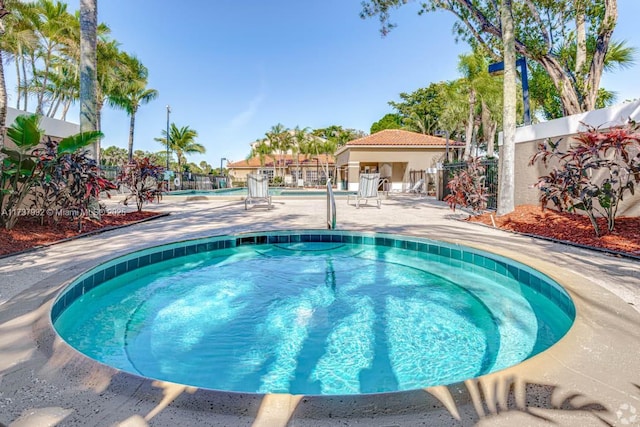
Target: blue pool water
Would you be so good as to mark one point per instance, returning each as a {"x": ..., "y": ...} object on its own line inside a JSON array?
[{"x": 324, "y": 313}]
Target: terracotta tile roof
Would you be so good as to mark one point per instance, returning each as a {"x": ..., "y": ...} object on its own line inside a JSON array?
[
  {"x": 397, "y": 137},
  {"x": 254, "y": 162}
]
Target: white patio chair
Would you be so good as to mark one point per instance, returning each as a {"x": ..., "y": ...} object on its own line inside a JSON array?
[
  {"x": 417, "y": 187},
  {"x": 367, "y": 189},
  {"x": 257, "y": 190}
]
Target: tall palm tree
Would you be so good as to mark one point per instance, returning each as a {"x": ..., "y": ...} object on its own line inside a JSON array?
[
  {"x": 108, "y": 73},
  {"x": 182, "y": 141},
  {"x": 132, "y": 95},
  {"x": 88, "y": 66},
  {"x": 17, "y": 41},
  {"x": 53, "y": 26}
]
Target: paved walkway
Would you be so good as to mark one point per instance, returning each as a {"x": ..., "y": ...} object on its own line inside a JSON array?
[{"x": 592, "y": 377}]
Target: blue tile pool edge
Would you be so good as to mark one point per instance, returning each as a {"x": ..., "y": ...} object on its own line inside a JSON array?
[{"x": 493, "y": 263}]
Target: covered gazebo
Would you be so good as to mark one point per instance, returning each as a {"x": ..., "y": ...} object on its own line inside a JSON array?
[{"x": 398, "y": 155}]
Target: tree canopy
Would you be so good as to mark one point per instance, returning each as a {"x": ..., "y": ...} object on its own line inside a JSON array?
[
  {"x": 389, "y": 121},
  {"x": 543, "y": 31}
]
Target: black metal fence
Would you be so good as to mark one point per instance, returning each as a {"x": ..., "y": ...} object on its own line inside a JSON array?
[
  {"x": 182, "y": 181},
  {"x": 490, "y": 181}
]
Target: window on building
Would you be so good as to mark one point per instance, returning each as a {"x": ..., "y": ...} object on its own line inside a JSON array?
[{"x": 267, "y": 172}]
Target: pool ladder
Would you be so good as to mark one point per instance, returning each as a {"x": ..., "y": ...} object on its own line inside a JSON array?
[{"x": 331, "y": 207}]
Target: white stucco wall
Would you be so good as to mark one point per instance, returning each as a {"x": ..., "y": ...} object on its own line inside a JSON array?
[
  {"x": 52, "y": 127},
  {"x": 528, "y": 137}
]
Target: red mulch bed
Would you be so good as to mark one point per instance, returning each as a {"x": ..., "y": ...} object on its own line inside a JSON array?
[
  {"x": 569, "y": 227},
  {"x": 28, "y": 232}
]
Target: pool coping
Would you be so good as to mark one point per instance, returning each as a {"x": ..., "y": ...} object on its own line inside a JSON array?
[
  {"x": 419, "y": 401},
  {"x": 455, "y": 255}
]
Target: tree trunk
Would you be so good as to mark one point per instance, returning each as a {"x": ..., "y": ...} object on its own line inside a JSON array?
[
  {"x": 488, "y": 128},
  {"x": 25, "y": 80},
  {"x": 564, "y": 84},
  {"x": 470, "y": 124},
  {"x": 577, "y": 95},
  {"x": 3, "y": 84},
  {"x": 88, "y": 76},
  {"x": 581, "y": 40},
  {"x": 65, "y": 110},
  {"x": 506, "y": 192},
  {"x": 45, "y": 81},
  {"x": 132, "y": 125},
  {"x": 592, "y": 83},
  {"x": 3, "y": 95},
  {"x": 18, "y": 81}
]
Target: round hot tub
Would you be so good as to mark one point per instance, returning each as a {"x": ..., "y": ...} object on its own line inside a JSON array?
[{"x": 312, "y": 312}]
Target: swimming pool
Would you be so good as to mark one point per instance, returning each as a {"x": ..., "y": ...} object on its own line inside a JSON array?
[
  {"x": 242, "y": 191},
  {"x": 312, "y": 312}
]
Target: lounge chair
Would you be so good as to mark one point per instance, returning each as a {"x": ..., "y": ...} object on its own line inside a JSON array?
[
  {"x": 257, "y": 190},
  {"x": 367, "y": 189},
  {"x": 417, "y": 187}
]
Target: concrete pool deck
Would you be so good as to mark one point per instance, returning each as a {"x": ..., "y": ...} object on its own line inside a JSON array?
[{"x": 591, "y": 377}]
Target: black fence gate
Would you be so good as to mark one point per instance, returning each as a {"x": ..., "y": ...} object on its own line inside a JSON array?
[{"x": 490, "y": 180}]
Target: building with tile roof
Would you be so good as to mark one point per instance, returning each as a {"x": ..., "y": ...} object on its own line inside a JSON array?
[
  {"x": 307, "y": 171},
  {"x": 398, "y": 155}
]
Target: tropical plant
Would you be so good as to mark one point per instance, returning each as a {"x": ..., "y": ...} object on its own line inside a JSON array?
[
  {"x": 68, "y": 179},
  {"x": 280, "y": 139},
  {"x": 468, "y": 188},
  {"x": 317, "y": 145},
  {"x": 113, "y": 156},
  {"x": 132, "y": 94},
  {"x": 593, "y": 174},
  {"x": 260, "y": 149},
  {"x": 18, "y": 167},
  {"x": 182, "y": 141},
  {"x": 3, "y": 86},
  {"x": 144, "y": 180},
  {"x": 59, "y": 175}
]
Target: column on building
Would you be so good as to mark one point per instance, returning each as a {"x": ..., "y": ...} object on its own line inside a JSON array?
[{"x": 353, "y": 172}]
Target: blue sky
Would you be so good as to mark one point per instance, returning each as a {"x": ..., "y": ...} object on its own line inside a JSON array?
[{"x": 231, "y": 69}]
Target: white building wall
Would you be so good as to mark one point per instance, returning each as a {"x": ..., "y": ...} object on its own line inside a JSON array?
[{"x": 51, "y": 127}]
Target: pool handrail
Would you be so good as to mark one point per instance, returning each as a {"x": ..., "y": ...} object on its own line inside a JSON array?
[{"x": 331, "y": 207}]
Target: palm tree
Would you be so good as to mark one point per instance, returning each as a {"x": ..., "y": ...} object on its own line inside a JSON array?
[
  {"x": 260, "y": 149},
  {"x": 53, "y": 26},
  {"x": 280, "y": 140},
  {"x": 300, "y": 137},
  {"x": 17, "y": 41},
  {"x": 3, "y": 86},
  {"x": 109, "y": 72},
  {"x": 132, "y": 95},
  {"x": 113, "y": 156},
  {"x": 317, "y": 145},
  {"x": 182, "y": 141}
]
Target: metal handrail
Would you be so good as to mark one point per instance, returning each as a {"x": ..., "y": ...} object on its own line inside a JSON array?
[{"x": 331, "y": 207}]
